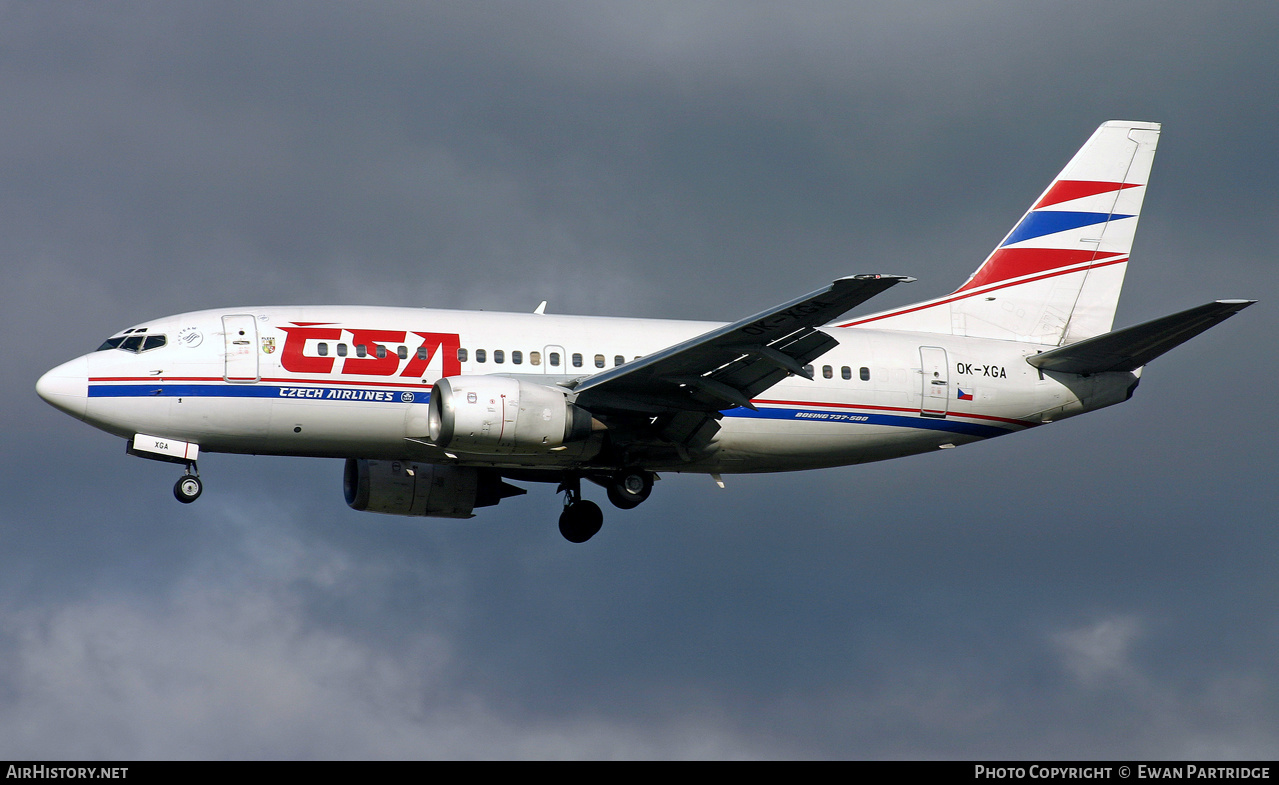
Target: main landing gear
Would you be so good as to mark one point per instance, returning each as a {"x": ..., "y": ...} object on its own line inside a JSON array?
[
  {"x": 582, "y": 519},
  {"x": 629, "y": 488},
  {"x": 188, "y": 487}
]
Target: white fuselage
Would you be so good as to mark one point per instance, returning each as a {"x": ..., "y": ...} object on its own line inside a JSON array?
[{"x": 351, "y": 382}]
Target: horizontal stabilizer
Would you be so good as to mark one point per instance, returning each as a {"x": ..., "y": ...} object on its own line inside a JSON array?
[{"x": 1132, "y": 347}]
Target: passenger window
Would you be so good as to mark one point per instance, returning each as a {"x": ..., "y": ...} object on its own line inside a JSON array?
[
  {"x": 555, "y": 359},
  {"x": 461, "y": 355},
  {"x": 599, "y": 361},
  {"x": 534, "y": 358},
  {"x": 380, "y": 352},
  {"x": 827, "y": 372},
  {"x": 480, "y": 355},
  {"x": 577, "y": 360},
  {"x": 361, "y": 350},
  {"x": 499, "y": 356},
  {"x": 846, "y": 372},
  {"x": 341, "y": 350},
  {"x": 421, "y": 353},
  {"x": 517, "y": 358},
  {"x": 403, "y": 352},
  {"x": 865, "y": 374},
  {"x": 808, "y": 369},
  {"x": 322, "y": 349},
  {"x": 618, "y": 360}
]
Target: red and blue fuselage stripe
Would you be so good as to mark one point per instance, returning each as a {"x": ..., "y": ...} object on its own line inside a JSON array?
[{"x": 808, "y": 411}]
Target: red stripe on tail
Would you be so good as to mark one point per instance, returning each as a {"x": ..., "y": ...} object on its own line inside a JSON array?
[
  {"x": 1067, "y": 190},
  {"x": 1007, "y": 263}
]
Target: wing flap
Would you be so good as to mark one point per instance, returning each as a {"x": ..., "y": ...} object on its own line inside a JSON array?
[
  {"x": 1132, "y": 347},
  {"x": 758, "y": 368}
]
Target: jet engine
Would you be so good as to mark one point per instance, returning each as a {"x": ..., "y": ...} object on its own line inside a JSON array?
[
  {"x": 497, "y": 415},
  {"x": 406, "y": 488}
]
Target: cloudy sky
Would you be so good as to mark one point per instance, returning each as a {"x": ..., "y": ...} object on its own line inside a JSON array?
[{"x": 1103, "y": 588}]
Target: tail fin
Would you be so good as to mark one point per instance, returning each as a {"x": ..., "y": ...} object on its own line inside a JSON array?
[{"x": 1055, "y": 278}]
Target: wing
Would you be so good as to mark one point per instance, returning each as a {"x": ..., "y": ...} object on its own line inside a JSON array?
[{"x": 689, "y": 383}]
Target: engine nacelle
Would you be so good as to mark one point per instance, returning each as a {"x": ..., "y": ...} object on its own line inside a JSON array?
[
  {"x": 405, "y": 488},
  {"x": 496, "y": 415}
]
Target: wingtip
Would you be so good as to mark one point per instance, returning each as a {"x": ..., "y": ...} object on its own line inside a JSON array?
[
  {"x": 877, "y": 276},
  {"x": 1146, "y": 125}
]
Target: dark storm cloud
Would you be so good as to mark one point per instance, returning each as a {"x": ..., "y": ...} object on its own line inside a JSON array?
[{"x": 1101, "y": 588}]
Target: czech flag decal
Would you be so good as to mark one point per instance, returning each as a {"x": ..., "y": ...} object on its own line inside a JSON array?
[{"x": 964, "y": 396}]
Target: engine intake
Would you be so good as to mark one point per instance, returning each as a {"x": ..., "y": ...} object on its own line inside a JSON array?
[
  {"x": 497, "y": 415},
  {"x": 406, "y": 488}
]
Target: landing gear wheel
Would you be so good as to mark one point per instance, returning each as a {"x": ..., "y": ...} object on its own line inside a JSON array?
[
  {"x": 581, "y": 521},
  {"x": 188, "y": 488},
  {"x": 629, "y": 488}
]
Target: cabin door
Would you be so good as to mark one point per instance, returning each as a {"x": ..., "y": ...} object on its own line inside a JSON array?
[
  {"x": 935, "y": 377},
  {"x": 241, "y": 332}
]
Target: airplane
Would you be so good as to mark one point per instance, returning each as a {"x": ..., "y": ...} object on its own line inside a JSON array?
[{"x": 434, "y": 411}]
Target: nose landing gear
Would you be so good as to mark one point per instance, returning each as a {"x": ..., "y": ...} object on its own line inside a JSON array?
[{"x": 188, "y": 487}]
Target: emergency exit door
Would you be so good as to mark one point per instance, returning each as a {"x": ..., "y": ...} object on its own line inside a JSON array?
[{"x": 554, "y": 360}]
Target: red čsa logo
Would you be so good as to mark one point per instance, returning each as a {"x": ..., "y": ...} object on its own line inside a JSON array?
[{"x": 444, "y": 345}]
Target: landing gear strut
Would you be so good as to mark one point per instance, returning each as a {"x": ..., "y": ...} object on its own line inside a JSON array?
[
  {"x": 581, "y": 519},
  {"x": 188, "y": 487}
]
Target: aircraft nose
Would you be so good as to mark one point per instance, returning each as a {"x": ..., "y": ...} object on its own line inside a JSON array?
[{"x": 67, "y": 387}]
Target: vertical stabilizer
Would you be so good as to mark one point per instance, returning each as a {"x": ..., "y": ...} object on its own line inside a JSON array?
[{"x": 1055, "y": 278}]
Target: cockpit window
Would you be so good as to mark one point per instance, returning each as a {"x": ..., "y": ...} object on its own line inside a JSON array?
[{"x": 135, "y": 340}]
